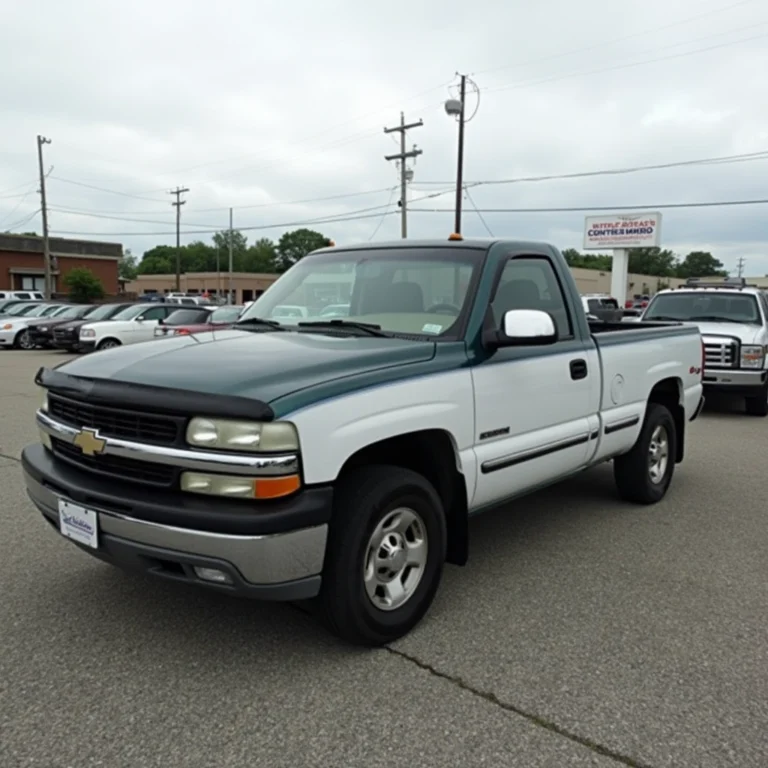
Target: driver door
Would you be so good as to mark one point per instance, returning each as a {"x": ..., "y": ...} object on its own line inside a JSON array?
[
  {"x": 535, "y": 406},
  {"x": 144, "y": 326}
]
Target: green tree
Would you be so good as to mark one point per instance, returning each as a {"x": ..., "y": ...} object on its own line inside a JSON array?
[
  {"x": 653, "y": 261},
  {"x": 701, "y": 264},
  {"x": 221, "y": 241},
  {"x": 260, "y": 257},
  {"x": 127, "y": 267},
  {"x": 159, "y": 260},
  {"x": 295, "y": 245},
  {"x": 599, "y": 261},
  {"x": 84, "y": 286}
]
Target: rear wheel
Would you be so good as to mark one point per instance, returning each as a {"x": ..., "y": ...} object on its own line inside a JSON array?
[
  {"x": 643, "y": 475},
  {"x": 758, "y": 405},
  {"x": 385, "y": 556}
]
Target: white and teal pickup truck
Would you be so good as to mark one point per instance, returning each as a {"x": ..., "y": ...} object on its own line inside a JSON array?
[{"x": 341, "y": 459}]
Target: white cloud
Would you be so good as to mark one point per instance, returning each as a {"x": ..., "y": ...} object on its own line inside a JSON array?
[{"x": 250, "y": 104}]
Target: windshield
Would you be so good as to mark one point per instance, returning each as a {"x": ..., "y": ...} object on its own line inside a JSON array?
[
  {"x": 187, "y": 316},
  {"x": 19, "y": 310},
  {"x": 129, "y": 313},
  {"x": 225, "y": 315},
  {"x": 101, "y": 312},
  {"x": 70, "y": 312},
  {"x": 690, "y": 306},
  {"x": 411, "y": 291},
  {"x": 56, "y": 311}
]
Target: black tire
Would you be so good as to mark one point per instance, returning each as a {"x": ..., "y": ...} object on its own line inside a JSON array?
[
  {"x": 108, "y": 344},
  {"x": 364, "y": 498},
  {"x": 22, "y": 341},
  {"x": 632, "y": 470},
  {"x": 758, "y": 406}
]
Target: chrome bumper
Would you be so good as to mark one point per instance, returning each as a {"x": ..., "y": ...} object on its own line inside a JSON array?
[
  {"x": 733, "y": 378},
  {"x": 278, "y": 566}
]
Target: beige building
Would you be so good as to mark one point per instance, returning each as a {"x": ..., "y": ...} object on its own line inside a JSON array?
[{"x": 248, "y": 286}]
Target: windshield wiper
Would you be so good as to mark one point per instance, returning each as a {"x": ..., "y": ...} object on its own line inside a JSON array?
[
  {"x": 369, "y": 328},
  {"x": 718, "y": 319},
  {"x": 273, "y": 324}
]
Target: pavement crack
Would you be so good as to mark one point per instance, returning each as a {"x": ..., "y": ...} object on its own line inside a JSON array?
[
  {"x": 532, "y": 717},
  {"x": 10, "y": 458}
]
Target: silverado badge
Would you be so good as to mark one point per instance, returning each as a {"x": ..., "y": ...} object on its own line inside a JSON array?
[{"x": 89, "y": 442}]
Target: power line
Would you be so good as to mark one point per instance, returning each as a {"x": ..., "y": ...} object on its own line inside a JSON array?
[
  {"x": 4, "y": 196},
  {"x": 361, "y": 216},
  {"x": 105, "y": 189},
  {"x": 720, "y": 160},
  {"x": 285, "y": 203},
  {"x": 477, "y": 211},
  {"x": 614, "y": 40},
  {"x": 384, "y": 215},
  {"x": 617, "y": 67},
  {"x": 21, "y": 222},
  {"x": 401, "y": 158},
  {"x": 609, "y": 208},
  {"x": 283, "y": 225}
]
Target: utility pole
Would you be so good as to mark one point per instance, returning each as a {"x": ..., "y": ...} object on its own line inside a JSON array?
[
  {"x": 44, "y": 210},
  {"x": 460, "y": 168},
  {"x": 229, "y": 297},
  {"x": 740, "y": 265},
  {"x": 218, "y": 274},
  {"x": 402, "y": 156},
  {"x": 179, "y": 202}
]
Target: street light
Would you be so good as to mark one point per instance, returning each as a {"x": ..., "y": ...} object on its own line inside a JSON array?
[{"x": 457, "y": 108}]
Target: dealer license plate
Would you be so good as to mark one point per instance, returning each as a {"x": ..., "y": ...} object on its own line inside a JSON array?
[{"x": 79, "y": 524}]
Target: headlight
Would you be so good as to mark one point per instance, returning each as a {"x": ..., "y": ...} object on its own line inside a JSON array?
[
  {"x": 752, "y": 356},
  {"x": 240, "y": 487},
  {"x": 87, "y": 333},
  {"x": 242, "y": 435},
  {"x": 44, "y": 329}
]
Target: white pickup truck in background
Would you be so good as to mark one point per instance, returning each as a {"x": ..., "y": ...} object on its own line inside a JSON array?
[
  {"x": 733, "y": 320},
  {"x": 342, "y": 458}
]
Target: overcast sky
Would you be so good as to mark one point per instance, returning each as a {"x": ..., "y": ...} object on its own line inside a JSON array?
[{"x": 264, "y": 103}]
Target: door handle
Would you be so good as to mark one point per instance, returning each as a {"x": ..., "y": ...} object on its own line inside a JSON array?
[{"x": 578, "y": 369}]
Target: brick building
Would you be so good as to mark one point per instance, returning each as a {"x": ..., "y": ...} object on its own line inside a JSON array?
[{"x": 22, "y": 267}]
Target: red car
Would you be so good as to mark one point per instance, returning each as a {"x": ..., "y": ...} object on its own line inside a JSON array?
[{"x": 198, "y": 320}]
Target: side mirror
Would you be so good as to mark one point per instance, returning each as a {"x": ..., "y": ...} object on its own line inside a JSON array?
[{"x": 522, "y": 328}]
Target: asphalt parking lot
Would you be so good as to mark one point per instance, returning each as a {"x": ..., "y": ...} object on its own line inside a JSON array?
[{"x": 583, "y": 632}]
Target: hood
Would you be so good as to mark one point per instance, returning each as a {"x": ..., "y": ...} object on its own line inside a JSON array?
[
  {"x": 744, "y": 332},
  {"x": 259, "y": 365},
  {"x": 52, "y": 323},
  {"x": 71, "y": 323}
]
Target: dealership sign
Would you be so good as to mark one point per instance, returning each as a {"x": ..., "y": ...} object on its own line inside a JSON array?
[{"x": 634, "y": 230}]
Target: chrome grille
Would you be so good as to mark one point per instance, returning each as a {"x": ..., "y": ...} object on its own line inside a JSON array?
[{"x": 719, "y": 355}]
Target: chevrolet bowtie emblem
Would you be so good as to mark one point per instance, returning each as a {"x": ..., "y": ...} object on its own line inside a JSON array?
[{"x": 89, "y": 442}]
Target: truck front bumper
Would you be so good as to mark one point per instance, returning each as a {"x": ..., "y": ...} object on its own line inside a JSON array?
[
  {"x": 734, "y": 381},
  {"x": 279, "y": 565}
]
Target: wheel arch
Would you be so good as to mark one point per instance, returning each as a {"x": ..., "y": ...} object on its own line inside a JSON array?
[
  {"x": 669, "y": 393},
  {"x": 434, "y": 455}
]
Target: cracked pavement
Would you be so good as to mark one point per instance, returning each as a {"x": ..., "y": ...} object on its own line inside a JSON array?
[{"x": 583, "y": 632}]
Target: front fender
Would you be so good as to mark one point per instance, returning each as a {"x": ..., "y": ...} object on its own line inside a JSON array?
[{"x": 333, "y": 430}]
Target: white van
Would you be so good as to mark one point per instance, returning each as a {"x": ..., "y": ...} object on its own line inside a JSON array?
[{"x": 22, "y": 295}]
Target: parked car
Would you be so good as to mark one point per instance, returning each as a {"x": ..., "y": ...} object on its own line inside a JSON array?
[
  {"x": 183, "y": 322},
  {"x": 15, "y": 308},
  {"x": 602, "y": 307},
  {"x": 342, "y": 458},
  {"x": 733, "y": 320},
  {"x": 129, "y": 326},
  {"x": 67, "y": 335},
  {"x": 13, "y": 327},
  {"x": 40, "y": 332},
  {"x": 22, "y": 295},
  {"x": 335, "y": 310},
  {"x": 8, "y": 303}
]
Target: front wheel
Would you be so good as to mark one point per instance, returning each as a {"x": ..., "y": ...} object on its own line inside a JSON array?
[
  {"x": 643, "y": 475},
  {"x": 24, "y": 341},
  {"x": 386, "y": 549},
  {"x": 758, "y": 405},
  {"x": 108, "y": 344}
]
